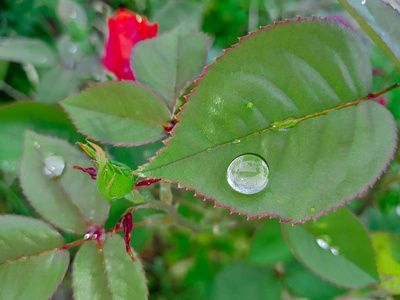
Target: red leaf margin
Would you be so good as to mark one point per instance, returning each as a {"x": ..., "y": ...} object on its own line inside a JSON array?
[{"x": 271, "y": 216}]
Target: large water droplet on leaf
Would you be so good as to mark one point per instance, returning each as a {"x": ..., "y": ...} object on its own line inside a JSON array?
[
  {"x": 322, "y": 244},
  {"x": 53, "y": 166},
  {"x": 248, "y": 174}
]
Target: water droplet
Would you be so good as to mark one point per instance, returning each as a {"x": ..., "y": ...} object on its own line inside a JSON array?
[
  {"x": 237, "y": 141},
  {"x": 42, "y": 59},
  {"x": 209, "y": 149},
  {"x": 322, "y": 244},
  {"x": 87, "y": 235},
  {"x": 36, "y": 145},
  {"x": 73, "y": 14},
  {"x": 398, "y": 210},
  {"x": 139, "y": 19},
  {"x": 312, "y": 209},
  {"x": 250, "y": 104},
  {"x": 248, "y": 174},
  {"x": 72, "y": 48},
  {"x": 334, "y": 251},
  {"x": 53, "y": 166},
  {"x": 363, "y": 2}
]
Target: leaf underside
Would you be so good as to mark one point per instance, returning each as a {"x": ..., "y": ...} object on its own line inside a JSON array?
[
  {"x": 380, "y": 21},
  {"x": 297, "y": 69},
  {"x": 120, "y": 113}
]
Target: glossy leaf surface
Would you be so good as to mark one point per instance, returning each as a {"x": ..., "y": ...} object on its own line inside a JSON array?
[
  {"x": 68, "y": 201},
  {"x": 119, "y": 113},
  {"x": 335, "y": 247},
  {"x": 16, "y": 118},
  {"x": 37, "y": 276},
  {"x": 168, "y": 62},
  {"x": 380, "y": 21},
  {"x": 246, "y": 281},
  {"x": 283, "y": 94},
  {"x": 108, "y": 272}
]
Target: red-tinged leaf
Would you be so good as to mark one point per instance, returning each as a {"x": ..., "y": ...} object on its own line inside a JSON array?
[{"x": 296, "y": 96}]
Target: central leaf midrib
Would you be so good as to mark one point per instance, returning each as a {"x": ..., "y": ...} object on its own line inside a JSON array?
[{"x": 270, "y": 127}]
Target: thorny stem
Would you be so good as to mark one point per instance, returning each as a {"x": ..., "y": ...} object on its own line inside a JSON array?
[{"x": 81, "y": 241}]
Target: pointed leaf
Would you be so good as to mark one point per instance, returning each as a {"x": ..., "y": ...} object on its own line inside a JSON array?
[
  {"x": 37, "y": 276},
  {"x": 380, "y": 21},
  {"x": 246, "y": 281},
  {"x": 119, "y": 113},
  {"x": 303, "y": 74},
  {"x": 108, "y": 272},
  {"x": 168, "y": 62},
  {"x": 16, "y": 118},
  {"x": 335, "y": 247},
  {"x": 25, "y": 50},
  {"x": 68, "y": 201}
]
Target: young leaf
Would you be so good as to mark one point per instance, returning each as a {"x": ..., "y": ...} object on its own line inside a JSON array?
[
  {"x": 16, "y": 118},
  {"x": 380, "y": 21},
  {"x": 25, "y": 50},
  {"x": 36, "y": 276},
  {"x": 66, "y": 197},
  {"x": 386, "y": 247},
  {"x": 335, "y": 247},
  {"x": 246, "y": 281},
  {"x": 108, "y": 273},
  {"x": 268, "y": 245},
  {"x": 168, "y": 62},
  {"x": 307, "y": 74},
  {"x": 119, "y": 113}
]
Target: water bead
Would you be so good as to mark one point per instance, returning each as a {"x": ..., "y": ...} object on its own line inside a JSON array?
[
  {"x": 53, "y": 166},
  {"x": 248, "y": 174}
]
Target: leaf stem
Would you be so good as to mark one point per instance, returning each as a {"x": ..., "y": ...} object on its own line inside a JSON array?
[{"x": 376, "y": 95}]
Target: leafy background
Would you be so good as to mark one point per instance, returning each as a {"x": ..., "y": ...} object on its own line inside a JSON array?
[{"x": 209, "y": 254}]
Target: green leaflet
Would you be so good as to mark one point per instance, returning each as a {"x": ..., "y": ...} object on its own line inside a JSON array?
[
  {"x": 307, "y": 70},
  {"x": 380, "y": 21}
]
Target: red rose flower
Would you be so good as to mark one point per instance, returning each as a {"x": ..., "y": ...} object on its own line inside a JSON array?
[{"x": 125, "y": 30}]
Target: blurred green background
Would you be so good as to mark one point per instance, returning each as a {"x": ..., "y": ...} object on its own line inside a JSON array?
[{"x": 52, "y": 49}]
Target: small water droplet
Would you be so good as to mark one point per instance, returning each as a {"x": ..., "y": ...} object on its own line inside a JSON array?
[
  {"x": 237, "y": 141},
  {"x": 139, "y": 19},
  {"x": 73, "y": 14},
  {"x": 312, "y": 209},
  {"x": 250, "y": 104},
  {"x": 87, "y": 235},
  {"x": 248, "y": 174},
  {"x": 363, "y": 2},
  {"x": 53, "y": 166},
  {"x": 398, "y": 210},
  {"x": 72, "y": 48},
  {"x": 209, "y": 149},
  {"x": 94, "y": 236},
  {"x": 36, "y": 145},
  {"x": 322, "y": 244},
  {"x": 43, "y": 59},
  {"x": 334, "y": 251}
]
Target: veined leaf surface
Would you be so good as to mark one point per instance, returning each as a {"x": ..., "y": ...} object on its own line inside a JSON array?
[{"x": 312, "y": 73}]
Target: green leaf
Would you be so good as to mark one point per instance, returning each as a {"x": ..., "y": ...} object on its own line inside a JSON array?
[
  {"x": 38, "y": 275},
  {"x": 311, "y": 70},
  {"x": 386, "y": 247},
  {"x": 25, "y": 50},
  {"x": 240, "y": 281},
  {"x": 16, "y": 118},
  {"x": 174, "y": 13},
  {"x": 380, "y": 21},
  {"x": 68, "y": 201},
  {"x": 108, "y": 272},
  {"x": 268, "y": 245},
  {"x": 335, "y": 247},
  {"x": 167, "y": 63},
  {"x": 305, "y": 284},
  {"x": 120, "y": 113}
]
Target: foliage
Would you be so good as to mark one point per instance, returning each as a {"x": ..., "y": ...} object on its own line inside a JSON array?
[{"x": 296, "y": 121}]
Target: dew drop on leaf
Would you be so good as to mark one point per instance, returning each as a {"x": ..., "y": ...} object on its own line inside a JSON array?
[
  {"x": 36, "y": 145},
  {"x": 322, "y": 244},
  {"x": 363, "y": 2},
  {"x": 53, "y": 166},
  {"x": 250, "y": 104},
  {"x": 398, "y": 210},
  {"x": 334, "y": 251},
  {"x": 312, "y": 209},
  {"x": 248, "y": 174}
]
